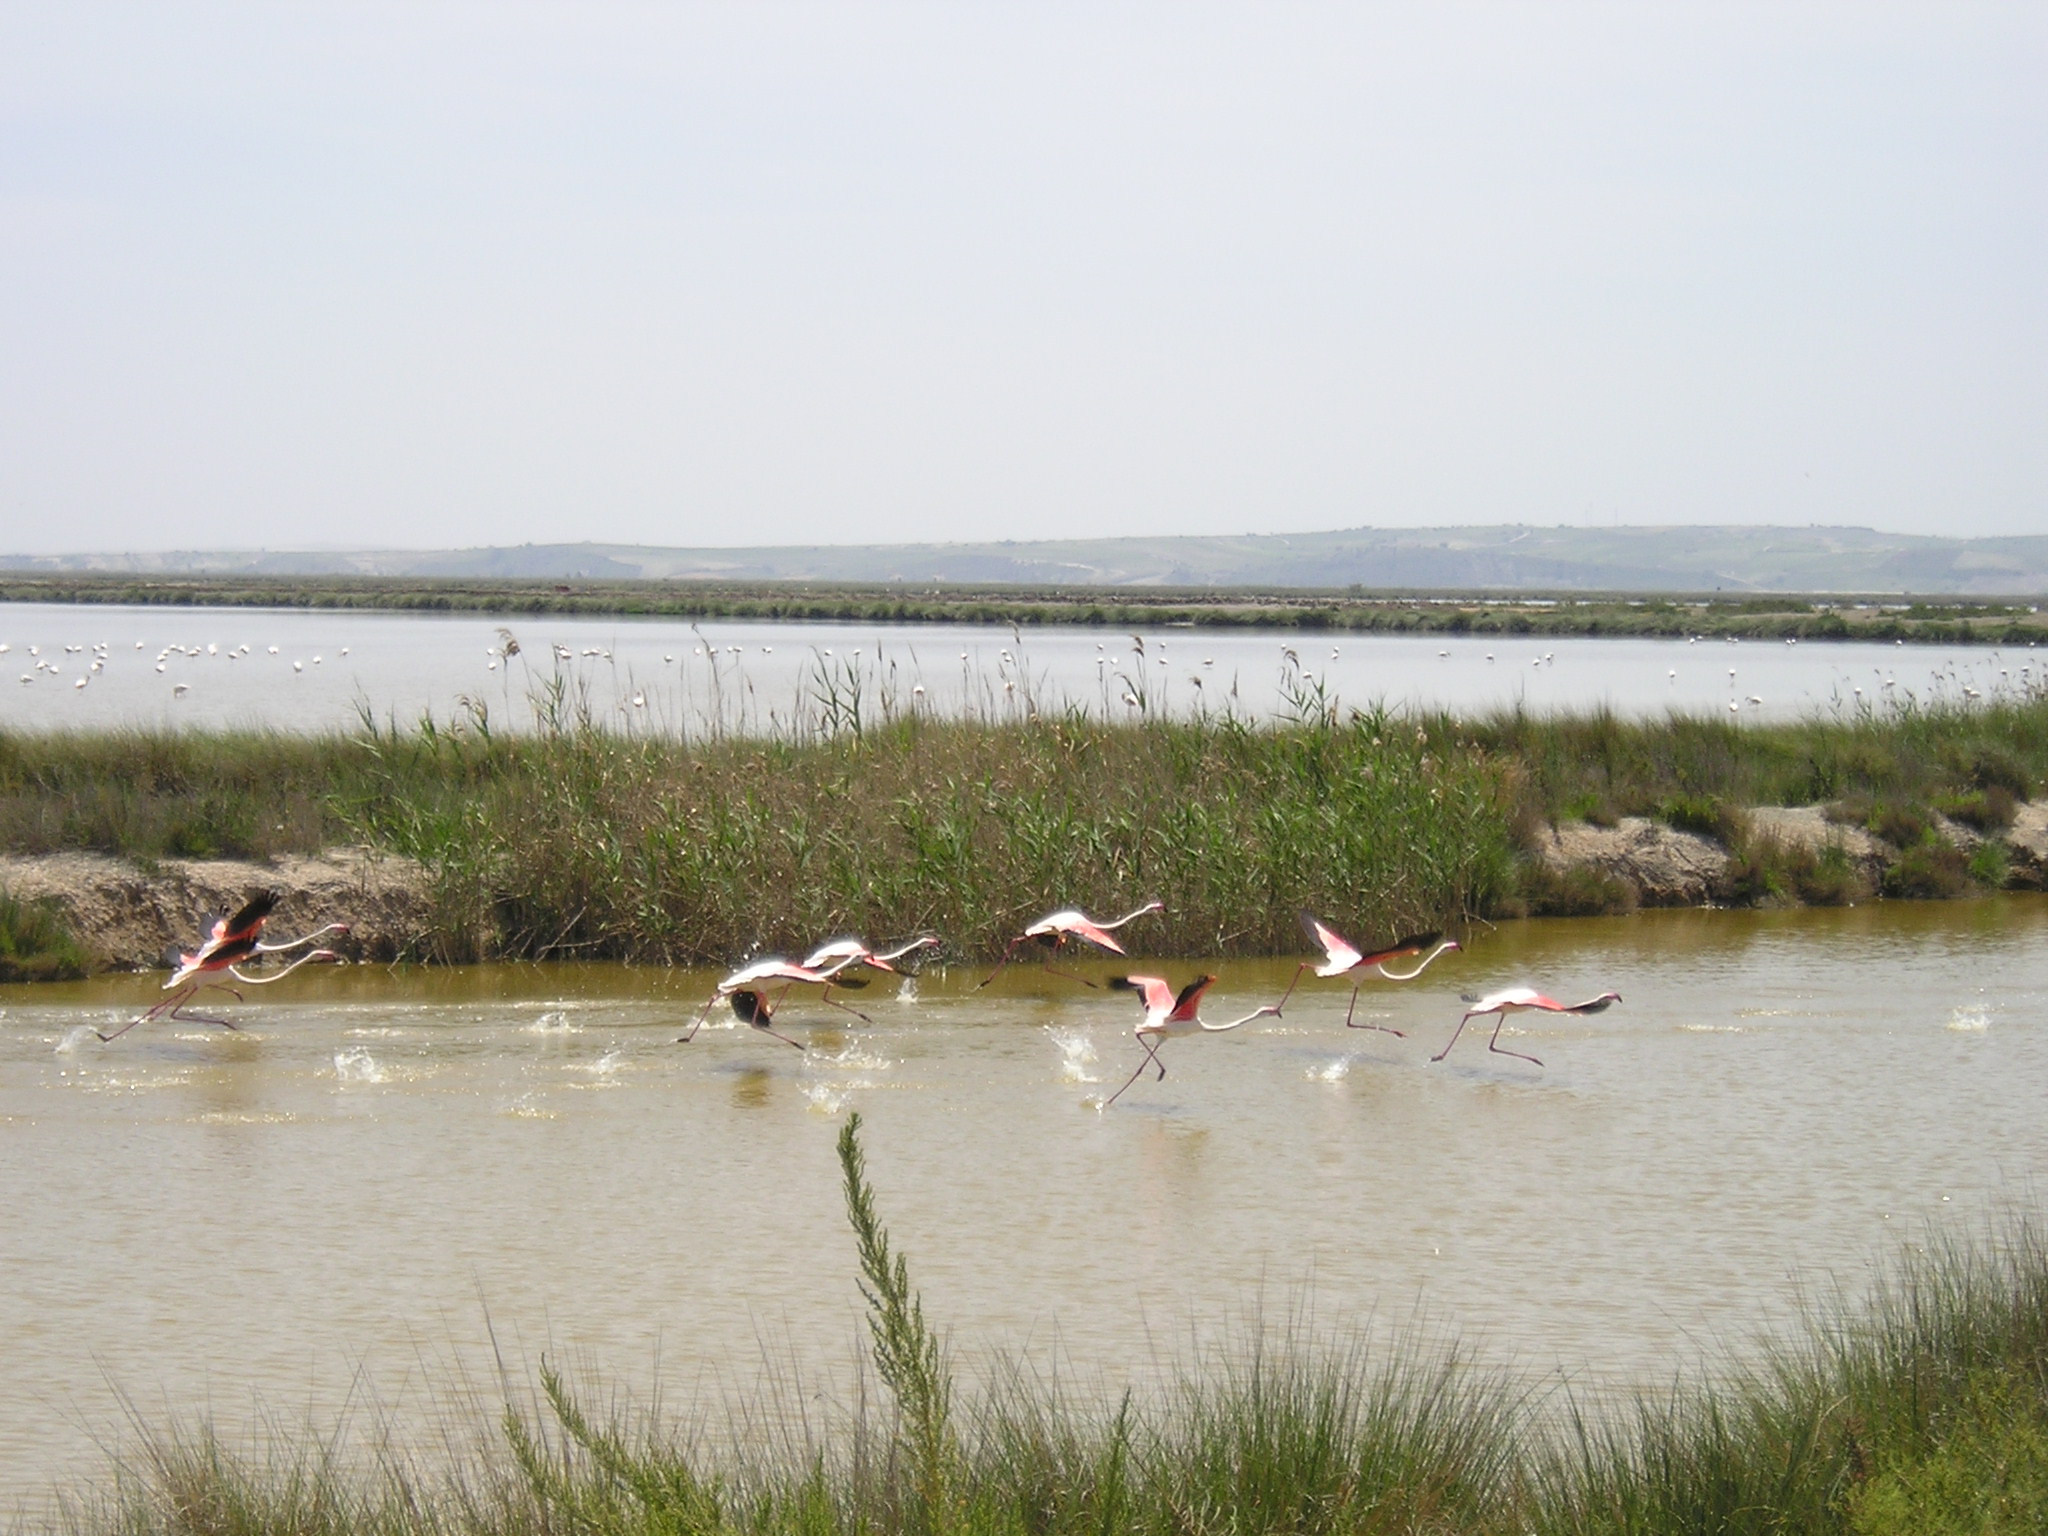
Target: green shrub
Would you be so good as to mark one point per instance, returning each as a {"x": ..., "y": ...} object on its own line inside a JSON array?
[
  {"x": 1990, "y": 863},
  {"x": 35, "y": 944},
  {"x": 1929, "y": 871},
  {"x": 1987, "y": 810}
]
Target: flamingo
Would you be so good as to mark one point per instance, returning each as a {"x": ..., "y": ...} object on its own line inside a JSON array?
[
  {"x": 1168, "y": 1015},
  {"x": 1342, "y": 956},
  {"x": 1056, "y": 928},
  {"x": 1518, "y": 1000},
  {"x": 841, "y": 954},
  {"x": 773, "y": 970},
  {"x": 228, "y": 942}
]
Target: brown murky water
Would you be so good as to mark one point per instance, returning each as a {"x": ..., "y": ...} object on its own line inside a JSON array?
[{"x": 327, "y": 1209}]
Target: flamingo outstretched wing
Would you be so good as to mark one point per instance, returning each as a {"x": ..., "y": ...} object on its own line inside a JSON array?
[{"x": 1186, "y": 1005}]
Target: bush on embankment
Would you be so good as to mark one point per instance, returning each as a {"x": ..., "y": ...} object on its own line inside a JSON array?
[
  {"x": 1924, "y": 1412},
  {"x": 582, "y": 840},
  {"x": 598, "y": 843}
]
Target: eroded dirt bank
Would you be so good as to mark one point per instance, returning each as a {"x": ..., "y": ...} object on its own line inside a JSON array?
[{"x": 127, "y": 917}]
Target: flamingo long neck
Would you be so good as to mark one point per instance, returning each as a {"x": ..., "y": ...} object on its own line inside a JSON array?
[
  {"x": 271, "y": 949},
  {"x": 1256, "y": 1013},
  {"x": 1150, "y": 906},
  {"x": 264, "y": 981},
  {"x": 1420, "y": 968}
]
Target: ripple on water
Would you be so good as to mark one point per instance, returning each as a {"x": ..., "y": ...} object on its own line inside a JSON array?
[{"x": 1077, "y": 1054}]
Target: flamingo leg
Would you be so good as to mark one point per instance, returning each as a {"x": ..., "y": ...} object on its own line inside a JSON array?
[
  {"x": 144, "y": 1018},
  {"x": 1009, "y": 950},
  {"x": 1384, "y": 1028},
  {"x": 1053, "y": 970},
  {"x": 702, "y": 1014},
  {"x": 1151, "y": 1055},
  {"x": 780, "y": 1036},
  {"x": 1440, "y": 1055},
  {"x": 1305, "y": 965},
  {"x": 827, "y": 997},
  {"x": 178, "y": 1011},
  {"x": 1494, "y": 1043}
]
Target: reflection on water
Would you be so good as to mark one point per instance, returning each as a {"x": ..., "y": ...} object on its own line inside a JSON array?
[{"x": 211, "y": 1220}]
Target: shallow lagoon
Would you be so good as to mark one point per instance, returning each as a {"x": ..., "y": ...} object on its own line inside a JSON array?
[
  {"x": 327, "y": 1208},
  {"x": 215, "y": 667}
]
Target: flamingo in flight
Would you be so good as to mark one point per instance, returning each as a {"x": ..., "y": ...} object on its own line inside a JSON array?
[
  {"x": 748, "y": 979},
  {"x": 1341, "y": 956},
  {"x": 1056, "y": 929},
  {"x": 1169, "y": 1015},
  {"x": 1518, "y": 1000},
  {"x": 842, "y": 954},
  {"x": 228, "y": 943}
]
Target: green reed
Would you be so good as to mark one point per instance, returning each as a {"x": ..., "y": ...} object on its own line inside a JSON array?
[
  {"x": 862, "y": 810},
  {"x": 1923, "y": 1410}
]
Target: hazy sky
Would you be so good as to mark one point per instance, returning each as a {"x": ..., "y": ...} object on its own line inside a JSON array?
[{"x": 712, "y": 274}]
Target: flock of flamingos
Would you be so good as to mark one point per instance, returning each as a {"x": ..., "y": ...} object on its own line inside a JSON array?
[{"x": 755, "y": 991}]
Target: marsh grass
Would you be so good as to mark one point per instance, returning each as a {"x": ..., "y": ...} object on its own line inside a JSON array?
[
  {"x": 1923, "y": 1409},
  {"x": 35, "y": 945},
  {"x": 862, "y": 811}
]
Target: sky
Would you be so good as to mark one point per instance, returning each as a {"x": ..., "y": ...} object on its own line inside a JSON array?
[{"x": 424, "y": 275}]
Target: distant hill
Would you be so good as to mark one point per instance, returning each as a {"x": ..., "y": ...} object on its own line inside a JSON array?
[{"x": 1512, "y": 558}]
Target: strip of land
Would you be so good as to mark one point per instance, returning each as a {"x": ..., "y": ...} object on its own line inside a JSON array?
[
  {"x": 1810, "y": 617},
  {"x": 580, "y": 842},
  {"x": 1504, "y": 558}
]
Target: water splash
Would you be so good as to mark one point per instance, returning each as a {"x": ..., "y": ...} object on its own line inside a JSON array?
[
  {"x": 554, "y": 1022},
  {"x": 1331, "y": 1071},
  {"x": 907, "y": 993},
  {"x": 1970, "y": 1019},
  {"x": 1077, "y": 1054},
  {"x": 604, "y": 1066},
  {"x": 824, "y": 1098},
  {"x": 74, "y": 1039},
  {"x": 357, "y": 1065}
]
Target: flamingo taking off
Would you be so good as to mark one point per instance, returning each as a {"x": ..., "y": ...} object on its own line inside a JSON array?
[
  {"x": 748, "y": 978},
  {"x": 1168, "y": 1016},
  {"x": 841, "y": 954},
  {"x": 229, "y": 941},
  {"x": 1518, "y": 1000},
  {"x": 1055, "y": 929},
  {"x": 1341, "y": 956}
]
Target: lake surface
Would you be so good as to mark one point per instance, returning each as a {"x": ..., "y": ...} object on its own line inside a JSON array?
[
  {"x": 341, "y": 1209},
  {"x": 309, "y": 670}
]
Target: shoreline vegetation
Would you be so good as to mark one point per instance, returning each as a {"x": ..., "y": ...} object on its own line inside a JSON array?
[
  {"x": 1746, "y": 615},
  {"x": 580, "y": 840},
  {"x": 1919, "y": 1412}
]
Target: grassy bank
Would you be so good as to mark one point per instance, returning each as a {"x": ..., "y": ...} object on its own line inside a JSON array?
[
  {"x": 586, "y": 841},
  {"x": 1924, "y": 1411},
  {"x": 1950, "y": 621}
]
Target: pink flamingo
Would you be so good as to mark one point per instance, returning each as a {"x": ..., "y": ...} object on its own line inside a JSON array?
[
  {"x": 1168, "y": 1016},
  {"x": 1519, "y": 1000},
  {"x": 773, "y": 970},
  {"x": 1055, "y": 929},
  {"x": 228, "y": 942},
  {"x": 1341, "y": 956},
  {"x": 842, "y": 954}
]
